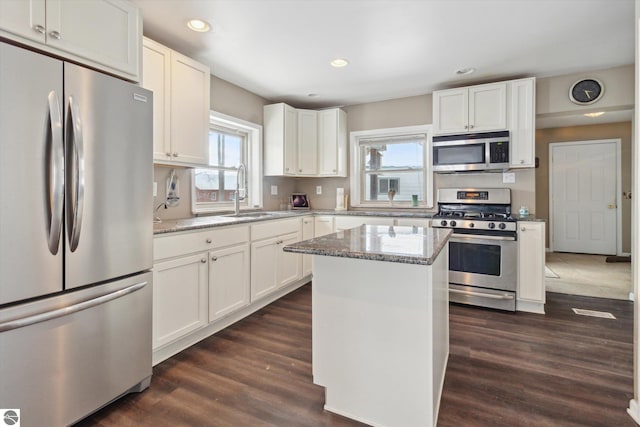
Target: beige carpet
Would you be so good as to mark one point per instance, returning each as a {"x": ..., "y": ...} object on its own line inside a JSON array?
[{"x": 587, "y": 275}]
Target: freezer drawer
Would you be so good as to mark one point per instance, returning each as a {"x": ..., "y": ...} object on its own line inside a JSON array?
[{"x": 59, "y": 365}]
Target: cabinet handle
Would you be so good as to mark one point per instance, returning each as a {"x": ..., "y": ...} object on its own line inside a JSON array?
[
  {"x": 287, "y": 169},
  {"x": 521, "y": 161},
  {"x": 279, "y": 242},
  {"x": 466, "y": 126},
  {"x": 208, "y": 240},
  {"x": 203, "y": 260},
  {"x": 334, "y": 171},
  {"x": 55, "y": 34},
  {"x": 214, "y": 258},
  {"x": 175, "y": 154},
  {"x": 168, "y": 154},
  {"x": 471, "y": 126},
  {"x": 299, "y": 170},
  {"x": 39, "y": 29},
  {"x": 523, "y": 229}
]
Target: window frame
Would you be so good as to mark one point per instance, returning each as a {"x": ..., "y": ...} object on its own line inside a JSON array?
[
  {"x": 356, "y": 172},
  {"x": 253, "y": 155}
]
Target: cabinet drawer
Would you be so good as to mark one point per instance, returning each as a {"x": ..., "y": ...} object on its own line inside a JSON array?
[
  {"x": 272, "y": 228},
  {"x": 170, "y": 245}
]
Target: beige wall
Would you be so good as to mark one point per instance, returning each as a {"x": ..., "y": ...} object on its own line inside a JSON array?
[
  {"x": 552, "y": 93},
  {"x": 584, "y": 133}
]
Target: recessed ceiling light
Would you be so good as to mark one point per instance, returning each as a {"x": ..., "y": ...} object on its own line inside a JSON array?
[
  {"x": 465, "y": 71},
  {"x": 597, "y": 114},
  {"x": 339, "y": 63},
  {"x": 198, "y": 25}
]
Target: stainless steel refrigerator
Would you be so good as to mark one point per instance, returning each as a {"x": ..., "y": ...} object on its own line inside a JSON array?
[{"x": 75, "y": 237}]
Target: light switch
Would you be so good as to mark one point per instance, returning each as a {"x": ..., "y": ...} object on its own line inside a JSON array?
[
  {"x": 318, "y": 189},
  {"x": 508, "y": 178},
  {"x": 155, "y": 189},
  {"x": 274, "y": 190}
]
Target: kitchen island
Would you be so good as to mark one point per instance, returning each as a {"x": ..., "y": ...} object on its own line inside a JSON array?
[{"x": 380, "y": 322}]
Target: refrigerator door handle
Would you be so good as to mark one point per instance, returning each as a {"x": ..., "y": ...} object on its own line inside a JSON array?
[
  {"x": 68, "y": 310},
  {"x": 75, "y": 173},
  {"x": 55, "y": 171}
]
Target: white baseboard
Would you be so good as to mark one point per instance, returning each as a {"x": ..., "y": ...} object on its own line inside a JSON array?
[{"x": 634, "y": 411}]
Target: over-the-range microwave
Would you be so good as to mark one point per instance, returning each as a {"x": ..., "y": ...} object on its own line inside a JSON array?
[{"x": 471, "y": 152}]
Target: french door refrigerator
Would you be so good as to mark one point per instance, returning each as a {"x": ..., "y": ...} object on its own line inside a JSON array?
[{"x": 75, "y": 238}]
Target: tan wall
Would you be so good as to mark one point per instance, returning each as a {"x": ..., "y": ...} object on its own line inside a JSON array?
[
  {"x": 584, "y": 133},
  {"x": 552, "y": 93}
]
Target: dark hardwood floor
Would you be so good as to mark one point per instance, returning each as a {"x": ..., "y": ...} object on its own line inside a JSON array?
[{"x": 504, "y": 369}]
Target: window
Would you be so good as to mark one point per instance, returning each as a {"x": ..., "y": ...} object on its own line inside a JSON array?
[
  {"x": 231, "y": 142},
  {"x": 389, "y": 166}
]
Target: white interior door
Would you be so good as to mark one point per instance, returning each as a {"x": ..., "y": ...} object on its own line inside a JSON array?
[{"x": 583, "y": 179}]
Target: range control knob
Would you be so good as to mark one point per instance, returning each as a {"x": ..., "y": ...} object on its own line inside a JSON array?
[
  {"x": 491, "y": 225},
  {"x": 452, "y": 223},
  {"x": 471, "y": 225},
  {"x": 443, "y": 223},
  {"x": 502, "y": 226}
]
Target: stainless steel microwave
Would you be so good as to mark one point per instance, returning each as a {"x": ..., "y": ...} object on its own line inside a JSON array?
[{"x": 471, "y": 152}]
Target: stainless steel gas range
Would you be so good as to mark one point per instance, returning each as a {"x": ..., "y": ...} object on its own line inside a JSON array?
[{"x": 483, "y": 248}]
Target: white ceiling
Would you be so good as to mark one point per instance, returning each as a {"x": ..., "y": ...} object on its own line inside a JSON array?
[{"x": 280, "y": 49}]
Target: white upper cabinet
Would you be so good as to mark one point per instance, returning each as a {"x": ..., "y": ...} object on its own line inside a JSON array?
[
  {"x": 471, "y": 109},
  {"x": 104, "y": 34},
  {"x": 180, "y": 88},
  {"x": 332, "y": 142},
  {"x": 522, "y": 122},
  {"x": 304, "y": 142},
  {"x": 307, "y": 142}
]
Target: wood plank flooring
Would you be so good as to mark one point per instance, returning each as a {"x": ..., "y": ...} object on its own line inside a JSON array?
[{"x": 504, "y": 369}]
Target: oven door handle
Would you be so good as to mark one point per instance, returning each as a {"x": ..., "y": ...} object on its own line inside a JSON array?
[
  {"x": 481, "y": 236},
  {"x": 482, "y": 294}
]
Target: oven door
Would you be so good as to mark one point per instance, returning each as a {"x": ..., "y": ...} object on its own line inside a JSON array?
[{"x": 483, "y": 261}]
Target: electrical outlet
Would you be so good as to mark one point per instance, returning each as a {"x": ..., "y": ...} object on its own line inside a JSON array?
[
  {"x": 155, "y": 189},
  {"x": 318, "y": 189},
  {"x": 274, "y": 190}
]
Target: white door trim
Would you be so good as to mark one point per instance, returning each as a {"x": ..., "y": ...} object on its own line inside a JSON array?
[{"x": 617, "y": 142}]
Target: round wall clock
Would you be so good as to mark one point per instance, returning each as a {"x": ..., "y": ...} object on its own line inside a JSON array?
[{"x": 586, "y": 91}]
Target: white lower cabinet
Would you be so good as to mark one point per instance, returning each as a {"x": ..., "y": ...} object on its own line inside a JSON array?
[
  {"x": 179, "y": 297},
  {"x": 229, "y": 282},
  {"x": 531, "y": 256},
  {"x": 271, "y": 267},
  {"x": 308, "y": 229},
  {"x": 345, "y": 222}
]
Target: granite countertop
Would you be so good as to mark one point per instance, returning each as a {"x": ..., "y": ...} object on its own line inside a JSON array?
[
  {"x": 409, "y": 245},
  {"x": 531, "y": 218},
  {"x": 202, "y": 222}
]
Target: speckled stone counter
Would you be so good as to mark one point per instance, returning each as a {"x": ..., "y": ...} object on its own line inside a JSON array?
[
  {"x": 409, "y": 245},
  {"x": 209, "y": 221}
]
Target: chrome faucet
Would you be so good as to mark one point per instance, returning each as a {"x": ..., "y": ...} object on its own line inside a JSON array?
[{"x": 237, "y": 198}]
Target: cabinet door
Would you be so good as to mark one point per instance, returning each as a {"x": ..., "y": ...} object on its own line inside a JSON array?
[
  {"x": 523, "y": 123},
  {"x": 264, "y": 267},
  {"x": 531, "y": 261},
  {"x": 179, "y": 298},
  {"x": 24, "y": 18},
  {"x": 289, "y": 264},
  {"x": 488, "y": 107},
  {"x": 323, "y": 225},
  {"x": 290, "y": 143},
  {"x": 450, "y": 111},
  {"x": 190, "y": 83},
  {"x": 307, "y": 142},
  {"x": 307, "y": 233},
  {"x": 108, "y": 32},
  {"x": 156, "y": 67},
  {"x": 229, "y": 281},
  {"x": 332, "y": 142}
]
